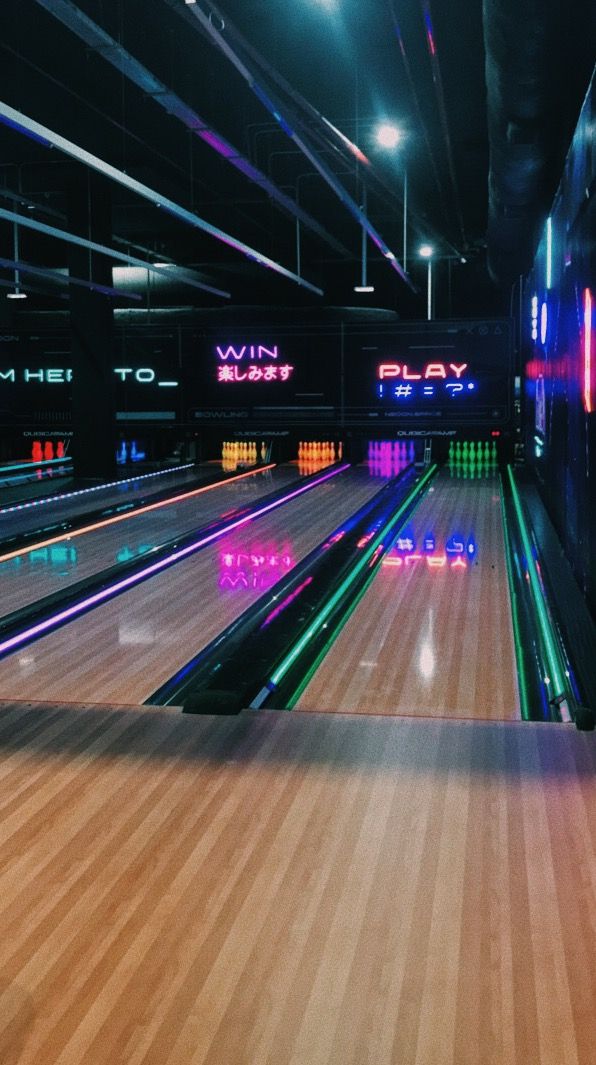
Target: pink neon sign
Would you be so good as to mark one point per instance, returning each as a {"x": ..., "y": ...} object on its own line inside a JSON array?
[
  {"x": 230, "y": 374},
  {"x": 252, "y": 352},
  {"x": 250, "y": 363},
  {"x": 442, "y": 370}
]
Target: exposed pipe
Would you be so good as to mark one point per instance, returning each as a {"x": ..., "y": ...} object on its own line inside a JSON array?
[
  {"x": 276, "y": 109},
  {"x": 49, "y": 138},
  {"x": 112, "y": 52}
]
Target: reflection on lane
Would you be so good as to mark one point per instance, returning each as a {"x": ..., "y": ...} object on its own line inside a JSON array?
[
  {"x": 412, "y": 548},
  {"x": 253, "y": 564}
]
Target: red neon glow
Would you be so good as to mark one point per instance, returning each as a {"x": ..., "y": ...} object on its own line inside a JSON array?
[
  {"x": 432, "y": 369},
  {"x": 588, "y": 401},
  {"x": 229, "y": 374}
]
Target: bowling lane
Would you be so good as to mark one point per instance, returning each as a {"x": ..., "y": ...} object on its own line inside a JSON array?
[
  {"x": 432, "y": 635},
  {"x": 123, "y": 651},
  {"x": 30, "y": 576},
  {"x": 80, "y": 497}
]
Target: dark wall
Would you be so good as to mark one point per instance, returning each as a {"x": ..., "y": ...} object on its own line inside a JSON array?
[{"x": 560, "y": 408}]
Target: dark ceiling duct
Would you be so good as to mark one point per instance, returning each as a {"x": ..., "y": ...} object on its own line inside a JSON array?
[{"x": 522, "y": 77}]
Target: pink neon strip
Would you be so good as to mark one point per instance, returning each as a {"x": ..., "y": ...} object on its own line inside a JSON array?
[
  {"x": 588, "y": 405},
  {"x": 156, "y": 567}
]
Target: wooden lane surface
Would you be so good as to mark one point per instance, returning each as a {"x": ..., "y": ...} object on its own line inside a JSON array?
[
  {"x": 123, "y": 651},
  {"x": 25, "y": 520},
  {"x": 293, "y": 889},
  {"x": 29, "y": 577},
  {"x": 432, "y": 641}
]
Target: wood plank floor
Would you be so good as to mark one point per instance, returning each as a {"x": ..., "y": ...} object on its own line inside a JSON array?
[
  {"x": 123, "y": 651},
  {"x": 30, "y": 576},
  {"x": 294, "y": 889},
  {"x": 431, "y": 639}
]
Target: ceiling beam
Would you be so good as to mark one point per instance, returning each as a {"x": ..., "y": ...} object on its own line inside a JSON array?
[
  {"x": 66, "y": 279},
  {"x": 49, "y": 138},
  {"x": 207, "y": 23},
  {"x": 91, "y": 245}
]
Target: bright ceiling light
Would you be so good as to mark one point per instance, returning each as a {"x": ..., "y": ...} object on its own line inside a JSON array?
[
  {"x": 16, "y": 295},
  {"x": 387, "y": 135},
  {"x": 364, "y": 288},
  {"x": 426, "y": 251}
]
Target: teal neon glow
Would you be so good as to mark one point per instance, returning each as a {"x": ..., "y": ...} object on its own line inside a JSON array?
[
  {"x": 31, "y": 465},
  {"x": 324, "y": 613},
  {"x": 557, "y": 673},
  {"x": 521, "y": 673},
  {"x": 549, "y": 252}
]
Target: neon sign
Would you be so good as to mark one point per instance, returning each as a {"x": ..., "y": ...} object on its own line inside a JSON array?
[
  {"x": 432, "y": 369},
  {"x": 227, "y": 374},
  {"x": 58, "y": 375},
  {"x": 53, "y": 376},
  {"x": 243, "y": 364},
  {"x": 431, "y": 381},
  {"x": 247, "y": 351},
  {"x": 587, "y": 389}
]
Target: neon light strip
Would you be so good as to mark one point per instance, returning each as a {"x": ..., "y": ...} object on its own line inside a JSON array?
[
  {"x": 521, "y": 673},
  {"x": 156, "y": 567},
  {"x": 549, "y": 252},
  {"x": 311, "y": 631},
  {"x": 130, "y": 514},
  {"x": 588, "y": 404},
  {"x": 32, "y": 464},
  {"x": 95, "y": 488},
  {"x": 556, "y": 672}
]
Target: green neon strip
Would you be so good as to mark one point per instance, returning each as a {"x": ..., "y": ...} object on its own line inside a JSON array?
[
  {"x": 552, "y": 652},
  {"x": 521, "y": 671},
  {"x": 290, "y": 658}
]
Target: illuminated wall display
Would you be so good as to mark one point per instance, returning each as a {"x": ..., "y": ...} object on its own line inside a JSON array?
[
  {"x": 434, "y": 379},
  {"x": 430, "y": 373},
  {"x": 587, "y": 346},
  {"x": 43, "y": 376},
  {"x": 249, "y": 356}
]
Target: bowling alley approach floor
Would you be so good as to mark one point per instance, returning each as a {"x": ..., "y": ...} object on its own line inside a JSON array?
[{"x": 290, "y": 888}]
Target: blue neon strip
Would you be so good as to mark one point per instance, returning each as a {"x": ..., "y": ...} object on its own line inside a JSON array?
[
  {"x": 156, "y": 567},
  {"x": 95, "y": 488}
]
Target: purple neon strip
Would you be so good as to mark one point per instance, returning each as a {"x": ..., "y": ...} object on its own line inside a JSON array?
[{"x": 128, "y": 582}]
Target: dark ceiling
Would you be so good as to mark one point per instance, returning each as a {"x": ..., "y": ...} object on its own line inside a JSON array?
[{"x": 316, "y": 62}]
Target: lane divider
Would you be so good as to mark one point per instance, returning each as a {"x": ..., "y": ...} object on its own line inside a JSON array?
[
  {"x": 369, "y": 557},
  {"x": 33, "y": 632},
  {"x": 181, "y": 497}
]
